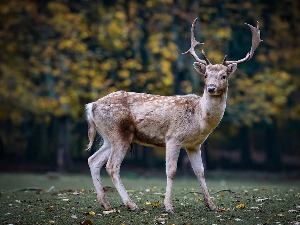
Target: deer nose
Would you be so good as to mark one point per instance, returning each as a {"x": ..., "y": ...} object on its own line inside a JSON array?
[{"x": 211, "y": 89}]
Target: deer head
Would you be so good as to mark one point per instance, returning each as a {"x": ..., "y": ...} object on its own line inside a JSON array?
[{"x": 216, "y": 76}]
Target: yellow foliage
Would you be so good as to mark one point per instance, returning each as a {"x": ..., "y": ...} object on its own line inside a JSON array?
[
  {"x": 57, "y": 7},
  {"x": 154, "y": 42},
  {"x": 215, "y": 56},
  {"x": 165, "y": 66},
  {"x": 124, "y": 73},
  {"x": 126, "y": 83},
  {"x": 64, "y": 99},
  {"x": 264, "y": 96},
  {"x": 133, "y": 64},
  {"x": 118, "y": 44},
  {"x": 120, "y": 15},
  {"x": 80, "y": 47},
  {"x": 83, "y": 81},
  {"x": 65, "y": 44},
  {"x": 168, "y": 79},
  {"x": 114, "y": 30},
  {"x": 149, "y": 3},
  {"x": 106, "y": 65}
]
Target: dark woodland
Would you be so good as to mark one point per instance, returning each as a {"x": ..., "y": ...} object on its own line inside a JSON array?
[{"x": 57, "y": 56}]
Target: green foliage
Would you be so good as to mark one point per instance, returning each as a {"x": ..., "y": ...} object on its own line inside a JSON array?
[
  {"x": 55, "y": 58},
  {"x": 261, "y": 97}
]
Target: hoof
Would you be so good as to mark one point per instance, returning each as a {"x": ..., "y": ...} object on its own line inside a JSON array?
[
  {"x": 132, "y": 206},
  {"x": 107, "y": 206},
  {"x": 169, "y": 209},
  {"x": 211, "y": 206}
]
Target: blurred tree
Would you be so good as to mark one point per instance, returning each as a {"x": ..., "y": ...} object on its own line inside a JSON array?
[{"x": 58, "y": 55}]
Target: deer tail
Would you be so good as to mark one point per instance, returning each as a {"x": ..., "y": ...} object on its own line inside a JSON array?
[{"x": 91, "y": 124}]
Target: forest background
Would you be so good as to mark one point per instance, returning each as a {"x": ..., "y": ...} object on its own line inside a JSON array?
[{"x": 57, "y": 56}]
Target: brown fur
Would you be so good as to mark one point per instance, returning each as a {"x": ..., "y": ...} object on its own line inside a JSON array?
[
  {"x": 172, "y": 121},
  {"x": 161, "y": 121}
]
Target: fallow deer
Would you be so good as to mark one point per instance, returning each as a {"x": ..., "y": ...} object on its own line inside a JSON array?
[{"x": 173, "y": 122}]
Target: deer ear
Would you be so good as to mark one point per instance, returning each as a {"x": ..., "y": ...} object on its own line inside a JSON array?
[
  {"x": 200, "y": 67},
  {"x": 231, "y": 68}
]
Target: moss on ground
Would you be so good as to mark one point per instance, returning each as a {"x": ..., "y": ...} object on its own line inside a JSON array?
[{"x": 248, "y": 202}]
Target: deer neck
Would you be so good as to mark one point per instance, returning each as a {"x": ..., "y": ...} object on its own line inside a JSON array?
[{"x": 212, "y": 110}]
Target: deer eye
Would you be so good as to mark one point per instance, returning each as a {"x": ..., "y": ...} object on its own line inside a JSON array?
[
  {"x": 205, "y": 76},
  {"x": 224, "y": 77}
]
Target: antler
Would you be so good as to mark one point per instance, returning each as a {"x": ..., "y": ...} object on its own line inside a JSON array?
[
  {"x": 255, "y": 43},
  {"x": 194, "y": 43}
]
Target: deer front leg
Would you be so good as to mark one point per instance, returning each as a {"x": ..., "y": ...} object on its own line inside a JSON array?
[
  {"x": 172, "y": 153},
  {"x": 197, "y": 165}
]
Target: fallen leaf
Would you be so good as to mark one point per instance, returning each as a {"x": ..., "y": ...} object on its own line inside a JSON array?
[
  {"x": 155, "y": 204},
  {"x": 50, "y": 189},
  {"x": 49, "y": 209},
  {"x": 240, "y": 206},
  {"x": 106, "y": 212},
  {"x": 223, "y": 209},
  {"x": 261, "y": 199},
  {"x": 161, "y": 220},
  {"x": 86, "y": 222},
  {"x": 92, "y": 213}
]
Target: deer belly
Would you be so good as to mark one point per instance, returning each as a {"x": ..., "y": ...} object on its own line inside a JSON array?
[
  {"x": 149, "y": 139},
  {"x": 150, "y": 134}
]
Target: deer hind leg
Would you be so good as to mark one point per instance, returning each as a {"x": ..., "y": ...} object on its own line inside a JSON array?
[
  {"x": 118, "y": 152},
  {"x": 172, "y": 153},
  {"x": 197, "y": 165},
  {"x": 96, "y": 162}
]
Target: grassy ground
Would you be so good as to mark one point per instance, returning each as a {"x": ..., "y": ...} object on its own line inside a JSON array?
[{"x": 51, "y": 199}]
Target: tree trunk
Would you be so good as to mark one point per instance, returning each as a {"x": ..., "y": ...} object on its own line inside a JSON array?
[
  {"x": 273, "y": 153},
  {"x": 63, "y": 155},
  {"x": 246, "y": 160},
  {"x": 205, "y": 155}
]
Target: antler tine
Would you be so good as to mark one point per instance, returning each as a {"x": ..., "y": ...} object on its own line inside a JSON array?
[
  {"x": 194, "y": 43},
  {"x": 224, "y": 60},
  {"x": 255, "y": 43},
  {"x": 205, "y": 58}
]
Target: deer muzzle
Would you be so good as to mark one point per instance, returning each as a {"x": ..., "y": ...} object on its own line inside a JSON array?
[{"x": 211, "y": 89}]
